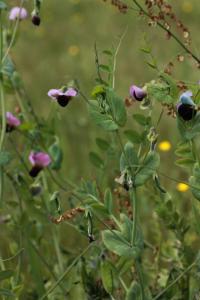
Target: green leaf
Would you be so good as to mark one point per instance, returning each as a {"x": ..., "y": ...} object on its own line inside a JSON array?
[
  {"x": 99, "y": 209},
  {"x": 195, "y": 182},
  {"x": 96, "y": 160},
  {"x": 6, "y": 292},
  {"x": 102, "y": 144},
  {"x": 6, "y": 274},
  {"x": 141, "y": 119},
  {"x": 104, "y": 68},
  {"x": 151, "y": 64},
  {"x": 117, "y": 107},
  {"x": 26, "y": 126},
  {"x": 145, "y": 50},
  {"x": 102, "y": 120},
  {"x": 126, "y": 229},
  {"x": 108, "y": 201},
  {"x": 186, "y": 162},
  {"x": 115, "y": 242},
  {"x": 107, "y": 52},
  {"x": 160, "y": 92},
  {"x": 3, "y": 5},
  {"x": 56, "y": 155},
  {"x": 5, "y": 158},
  {"x": 107, "y": 276},
  {"x": 183, "y": 150},
  {"x": 133, "y": 136},
  {"x": 189, "y": 129},
  {"x": 98, "y": 89},
  {"x": 134, "y": 292},
  {"x": 174, "y": 91},
  {"x": 150, "y": 165},
  {"x": 128, "y": 158}
]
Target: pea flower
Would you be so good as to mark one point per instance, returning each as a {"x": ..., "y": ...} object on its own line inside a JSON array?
[
  {"x": 186, "y": 107},
  {"x": 62, "y": 96},
  {"x": 11, "y": 122},
  {"x": 18, "y": 12},
  {"x": 38, "y": 160},
  {"x": 137, "y": 93}
]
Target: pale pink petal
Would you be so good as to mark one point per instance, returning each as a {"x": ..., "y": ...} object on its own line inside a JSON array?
[
  {"x": 12, "y": 120},
  {"x": 18, "y": 12}
]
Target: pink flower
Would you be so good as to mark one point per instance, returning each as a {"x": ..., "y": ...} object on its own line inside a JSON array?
[
  {"x": 18, "y": 12},
  {"x": 11, "y": 122},
  {"x": 38, "y": 160},
  {"x": 62, "y": 96},
  {"x": 137, "y": 93}
]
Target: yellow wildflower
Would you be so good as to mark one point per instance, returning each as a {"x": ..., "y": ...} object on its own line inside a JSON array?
[
  {"x": 182, "y": 187},
  {"x": 164, "y": 146}
]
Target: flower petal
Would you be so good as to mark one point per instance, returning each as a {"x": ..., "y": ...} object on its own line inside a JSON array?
[{"x": 12, "y": 120}]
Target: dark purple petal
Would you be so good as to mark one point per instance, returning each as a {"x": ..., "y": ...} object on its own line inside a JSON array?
[
  {"x": 186, "y": 112},
  {"x": 63, "y": 100},
  {"x": 34, "y": 171}
]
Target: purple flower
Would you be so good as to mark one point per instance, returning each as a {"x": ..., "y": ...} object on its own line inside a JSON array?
[
  {"x": 62, "y": 96},
  {"x": 18, "y": 12},
  {"x": 38, "y": 160},
  {"x": 11, "y": 122},
  {"x": 137, "y": 93}
]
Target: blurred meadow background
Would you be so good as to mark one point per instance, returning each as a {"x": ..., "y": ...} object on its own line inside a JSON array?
[{"x": 62, "y": 49}]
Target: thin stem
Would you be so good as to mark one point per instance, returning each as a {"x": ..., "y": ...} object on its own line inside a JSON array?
[
  {"x": 176, "y": 280},
  {"x": 133, "y": 196},
  {"x": 115, "y": 56},
  {"x": 66, "y": 271},
  {"x": 3, "y": 109},
  {"x": 20, "y": 102},
  {"x": 169, "y": 32},
  {"x": 140, "y": 276},
  {"x": 57, "y": 248},
  {"x": 13, "y": 36},
  {"x": 13, "y": 256},
  {"x": 123, "y": 284},
  {"x": 97, "y": 63}
]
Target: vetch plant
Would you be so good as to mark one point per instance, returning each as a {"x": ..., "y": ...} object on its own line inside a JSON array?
[{"x": 133, "y": 238}]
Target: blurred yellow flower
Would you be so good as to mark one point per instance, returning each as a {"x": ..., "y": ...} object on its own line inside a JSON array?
[
  {"x": 164, "y": 146},
  {"x": 182, "y": 187},
  {"x": 73, "y": 50},
  {"x": 187, "y": 6}
]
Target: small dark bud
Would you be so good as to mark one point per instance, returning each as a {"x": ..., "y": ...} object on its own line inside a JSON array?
[
  {"x": 34, "y": 171},
  {"x": 186, "y": 111},
  {"x": 36, "y": 20}
]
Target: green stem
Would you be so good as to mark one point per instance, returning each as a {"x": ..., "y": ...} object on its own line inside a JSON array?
[
  {"x": 140, "y": 276},
  {"x": 66, "y": 271},
  {"x": 176, "y": 280},
  {"x": 57, "y": 248},
  {"x": 133, "y": 196},
  {"x": 3, "y": 109}
]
